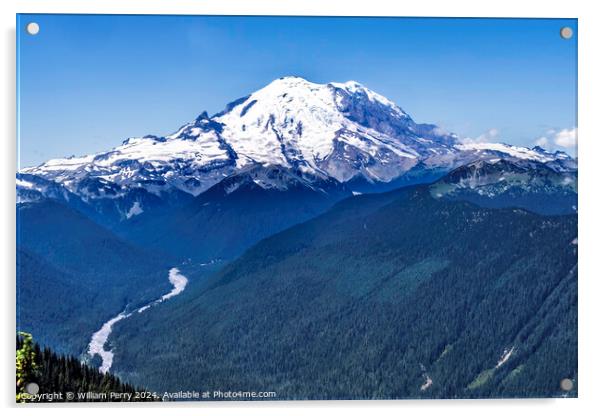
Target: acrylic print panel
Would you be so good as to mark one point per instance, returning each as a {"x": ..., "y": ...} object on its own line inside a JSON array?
[{"x": 281, "y": 208}]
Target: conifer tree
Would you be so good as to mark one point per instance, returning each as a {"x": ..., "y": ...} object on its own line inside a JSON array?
[{"x": 26, "y": 364}]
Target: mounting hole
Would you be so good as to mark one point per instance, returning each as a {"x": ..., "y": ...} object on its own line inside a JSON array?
[
  {"x": 32, "y": 28},
  {"x": 32, "y": 388},
  {"x": 566, "y": 32},
  {"x": 566, "y": 384}
]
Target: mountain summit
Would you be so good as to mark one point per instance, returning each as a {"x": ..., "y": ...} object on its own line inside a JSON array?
[{"x": 341, "y": 130}]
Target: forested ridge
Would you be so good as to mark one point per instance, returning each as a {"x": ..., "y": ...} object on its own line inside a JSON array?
[
  {"x": 60, "y": 376},
  {"x": 373, "y": 299},
  {"x": 73, "y": 275}
]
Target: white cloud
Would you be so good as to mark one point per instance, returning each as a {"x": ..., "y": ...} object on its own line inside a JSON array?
[
  {"x": 490, "y": 136},
  {"x": 440, "y": 131},
  {"x": 566, "y": 138},
  {"x": 552, "y": 139},
  {"x": 542, "y": 142}
]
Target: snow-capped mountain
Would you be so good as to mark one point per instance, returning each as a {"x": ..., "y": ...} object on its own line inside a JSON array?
[
  {"x": 526, "y": 183},
  {"x": 33, "y": 188},
  {"x": 341, "y": 131},
  {"x": 338, "y": 130}
]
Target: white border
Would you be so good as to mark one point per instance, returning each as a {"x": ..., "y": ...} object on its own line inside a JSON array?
[{"x": 590, "y": 178}]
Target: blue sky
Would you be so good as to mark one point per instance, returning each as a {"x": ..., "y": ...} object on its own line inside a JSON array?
[{"x": 87, "y": 82}]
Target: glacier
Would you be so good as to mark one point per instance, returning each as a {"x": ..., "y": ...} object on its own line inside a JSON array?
[{"x": 336, "y": 131}]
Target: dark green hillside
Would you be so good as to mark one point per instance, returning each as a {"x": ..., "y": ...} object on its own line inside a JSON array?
[
  {"x": 58, "y": 375},
  {"x": 73, "y": 275},
  {"x": 47, "y": 300},
  {"x": 371, "y": 300},
  {"x": 230, "y": 217}
]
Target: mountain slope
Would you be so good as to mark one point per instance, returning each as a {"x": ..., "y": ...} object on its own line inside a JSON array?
[
  {"x": 500, "y": 183},
  {"x": 73, "y": 274},
  {"x": 236, "y": 213},
  {"x": 57, "y": 373},
  {"x": 371, "y": 300},
  {"x": 47, "y": 299}
]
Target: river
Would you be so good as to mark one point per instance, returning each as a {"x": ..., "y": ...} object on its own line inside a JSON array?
[{"x": 99, "y": 338}]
